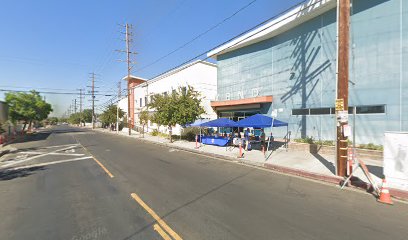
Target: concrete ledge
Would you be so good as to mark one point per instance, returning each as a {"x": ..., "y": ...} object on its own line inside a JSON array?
[{"x": 364, "y": 154}]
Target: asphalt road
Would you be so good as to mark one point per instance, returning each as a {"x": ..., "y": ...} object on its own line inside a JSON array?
[{"x": 67, "y": 194}]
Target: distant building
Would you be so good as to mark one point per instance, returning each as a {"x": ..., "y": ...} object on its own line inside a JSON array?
[
  {"x": 289, "y": 63},
  {"x": 123, "y": 104},
  {"x": 201, "y": 75}
]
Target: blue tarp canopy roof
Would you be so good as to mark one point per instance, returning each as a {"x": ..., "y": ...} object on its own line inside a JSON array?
[
  {"x": 220, "y": 122},
  {"x": 260, "y": 121},
  {"x": 197, "y": 123}
]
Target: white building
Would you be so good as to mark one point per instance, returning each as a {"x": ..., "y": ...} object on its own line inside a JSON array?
[{"x": 201, "y": 75}]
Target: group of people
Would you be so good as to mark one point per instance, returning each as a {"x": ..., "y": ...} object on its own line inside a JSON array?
[
  {"x": 247, "y": 142},
  {"x": 246, "y": 137}
]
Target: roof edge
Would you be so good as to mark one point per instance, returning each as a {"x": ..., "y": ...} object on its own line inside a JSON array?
[{"x": 281, "y": 23}]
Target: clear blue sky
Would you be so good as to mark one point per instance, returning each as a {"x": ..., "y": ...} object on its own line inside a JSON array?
[{"x": 56, "y": 44}]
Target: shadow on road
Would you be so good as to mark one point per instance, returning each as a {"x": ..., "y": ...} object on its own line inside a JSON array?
[
  {"x": 30, "y": 137},
  {"x": 18, "y": 173}
]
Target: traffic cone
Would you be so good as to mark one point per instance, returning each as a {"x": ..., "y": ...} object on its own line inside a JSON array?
[
  {"x": 240, "y": 151},
  {"x": 385, "y": 196}
]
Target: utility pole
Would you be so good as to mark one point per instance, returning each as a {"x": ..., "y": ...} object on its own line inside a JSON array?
[
  {"x": 342, "y": 84},
  {"x": 117, "y": 106},
  {"x": 93, "y": 100},
  {"x": 128, "y": 33},
  {"x": 75, "y": 106},
  {"x": 92, "y": 76},
  {"x": 80, "y": 106}
]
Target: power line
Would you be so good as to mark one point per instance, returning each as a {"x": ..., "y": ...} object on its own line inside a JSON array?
[
  {"x": 61, "y": 93},
  {"x": 198, "y": 36},
  {"x": 57, "y": 93},
  {"x": 241, "y": 34}
]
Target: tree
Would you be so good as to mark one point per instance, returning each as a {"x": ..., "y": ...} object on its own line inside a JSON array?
[
  {"x": 144, "y": 119},
  {"x": 52, "y": 121},
  {"x": 86, "y": 115},
  {"x": 75, "y": 118},
  {"x": 109, "y": 115},
  {"x": 181, "y": 107},
  {"x": 27, "y": 107}
]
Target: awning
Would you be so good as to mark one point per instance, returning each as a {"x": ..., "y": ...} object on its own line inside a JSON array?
[
  {"x": 260, "y": 121},
  {"x": 245, "y": 103}
]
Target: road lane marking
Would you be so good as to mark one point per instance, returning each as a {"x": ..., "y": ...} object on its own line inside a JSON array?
[
  {"x": 50, "y": 163},
  {"x": 65, "y": 145},
  {"x": 103, "y": 167},
  {"x": 57, "y": 153},
  {"x": 37, "y": 156},
  {"x": 96, "y": 160},
  {"x": 162, "y": 233},
  {"x": 156, "y": 217}
]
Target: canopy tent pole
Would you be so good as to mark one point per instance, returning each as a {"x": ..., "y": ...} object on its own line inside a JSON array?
[{"x": 269, "y": 140}]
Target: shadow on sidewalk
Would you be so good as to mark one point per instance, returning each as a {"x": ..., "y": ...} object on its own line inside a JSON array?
[
  {"x": 376, "y": 170},
  {"x": 329, "y": 165}
]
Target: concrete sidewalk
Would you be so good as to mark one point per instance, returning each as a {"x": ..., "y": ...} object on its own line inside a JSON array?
[{"x": 302, "y": 163}]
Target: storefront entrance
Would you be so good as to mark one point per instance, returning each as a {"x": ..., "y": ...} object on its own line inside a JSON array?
[{"x": 236, "y": 116}]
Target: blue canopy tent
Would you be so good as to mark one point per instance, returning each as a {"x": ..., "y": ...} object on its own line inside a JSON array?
[
  {"x": 213, "y": 140},
  {"x": 197, "y": 123},
  {"x": 260, "y": 121},
  {"x": 220, "y": 122}
]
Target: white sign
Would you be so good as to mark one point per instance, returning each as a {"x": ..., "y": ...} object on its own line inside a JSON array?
[
  {"x": 342, "y": 116},
  {"x": 274, "y": 113},
  {"x": 346, "y": 131},
  {"x": 396, "y": 159}
]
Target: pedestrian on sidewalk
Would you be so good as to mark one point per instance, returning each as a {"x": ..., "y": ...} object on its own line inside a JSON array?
[
  {"x": 246, "y": 136},
  {"x": 262, "y": 138}
]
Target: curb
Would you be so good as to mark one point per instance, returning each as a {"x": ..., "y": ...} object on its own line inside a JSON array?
[
  {"x": 306, "y": 174},
  {"x": 356, "y": 183}
]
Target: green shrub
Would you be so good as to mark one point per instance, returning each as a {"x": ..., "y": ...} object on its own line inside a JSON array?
[
  {"x": 371, "y": 146},
  {"x": 155, "y": 132},
  {"x": 309, "y": 140},
  {"x": 189, "y": 134}
]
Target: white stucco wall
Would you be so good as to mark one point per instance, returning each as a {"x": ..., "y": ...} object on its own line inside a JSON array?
[
  {"x": 202, "y": 76},
  {"x": 123, "y": 104}
]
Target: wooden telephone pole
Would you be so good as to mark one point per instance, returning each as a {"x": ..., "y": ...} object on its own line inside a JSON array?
[
  {"x": 92, "y": 76},
  {"x": 342, "y": 84},
  {"x": 128, "y": 38}
]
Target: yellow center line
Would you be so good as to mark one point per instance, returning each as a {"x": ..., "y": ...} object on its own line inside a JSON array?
[
  {"x": 103, "y": 167},
  {"x": 162, "y": 233},
  {"x": 156, "y": 217},
  {"x": 96, "y": 160}
]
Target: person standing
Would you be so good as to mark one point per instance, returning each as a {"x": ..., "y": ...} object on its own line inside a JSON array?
[
  {"x": 262, "y": 138},
  {"x": 246, "y": 136}
]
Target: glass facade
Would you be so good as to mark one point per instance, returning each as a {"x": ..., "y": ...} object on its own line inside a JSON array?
[{"x": 298, "y": 68}]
